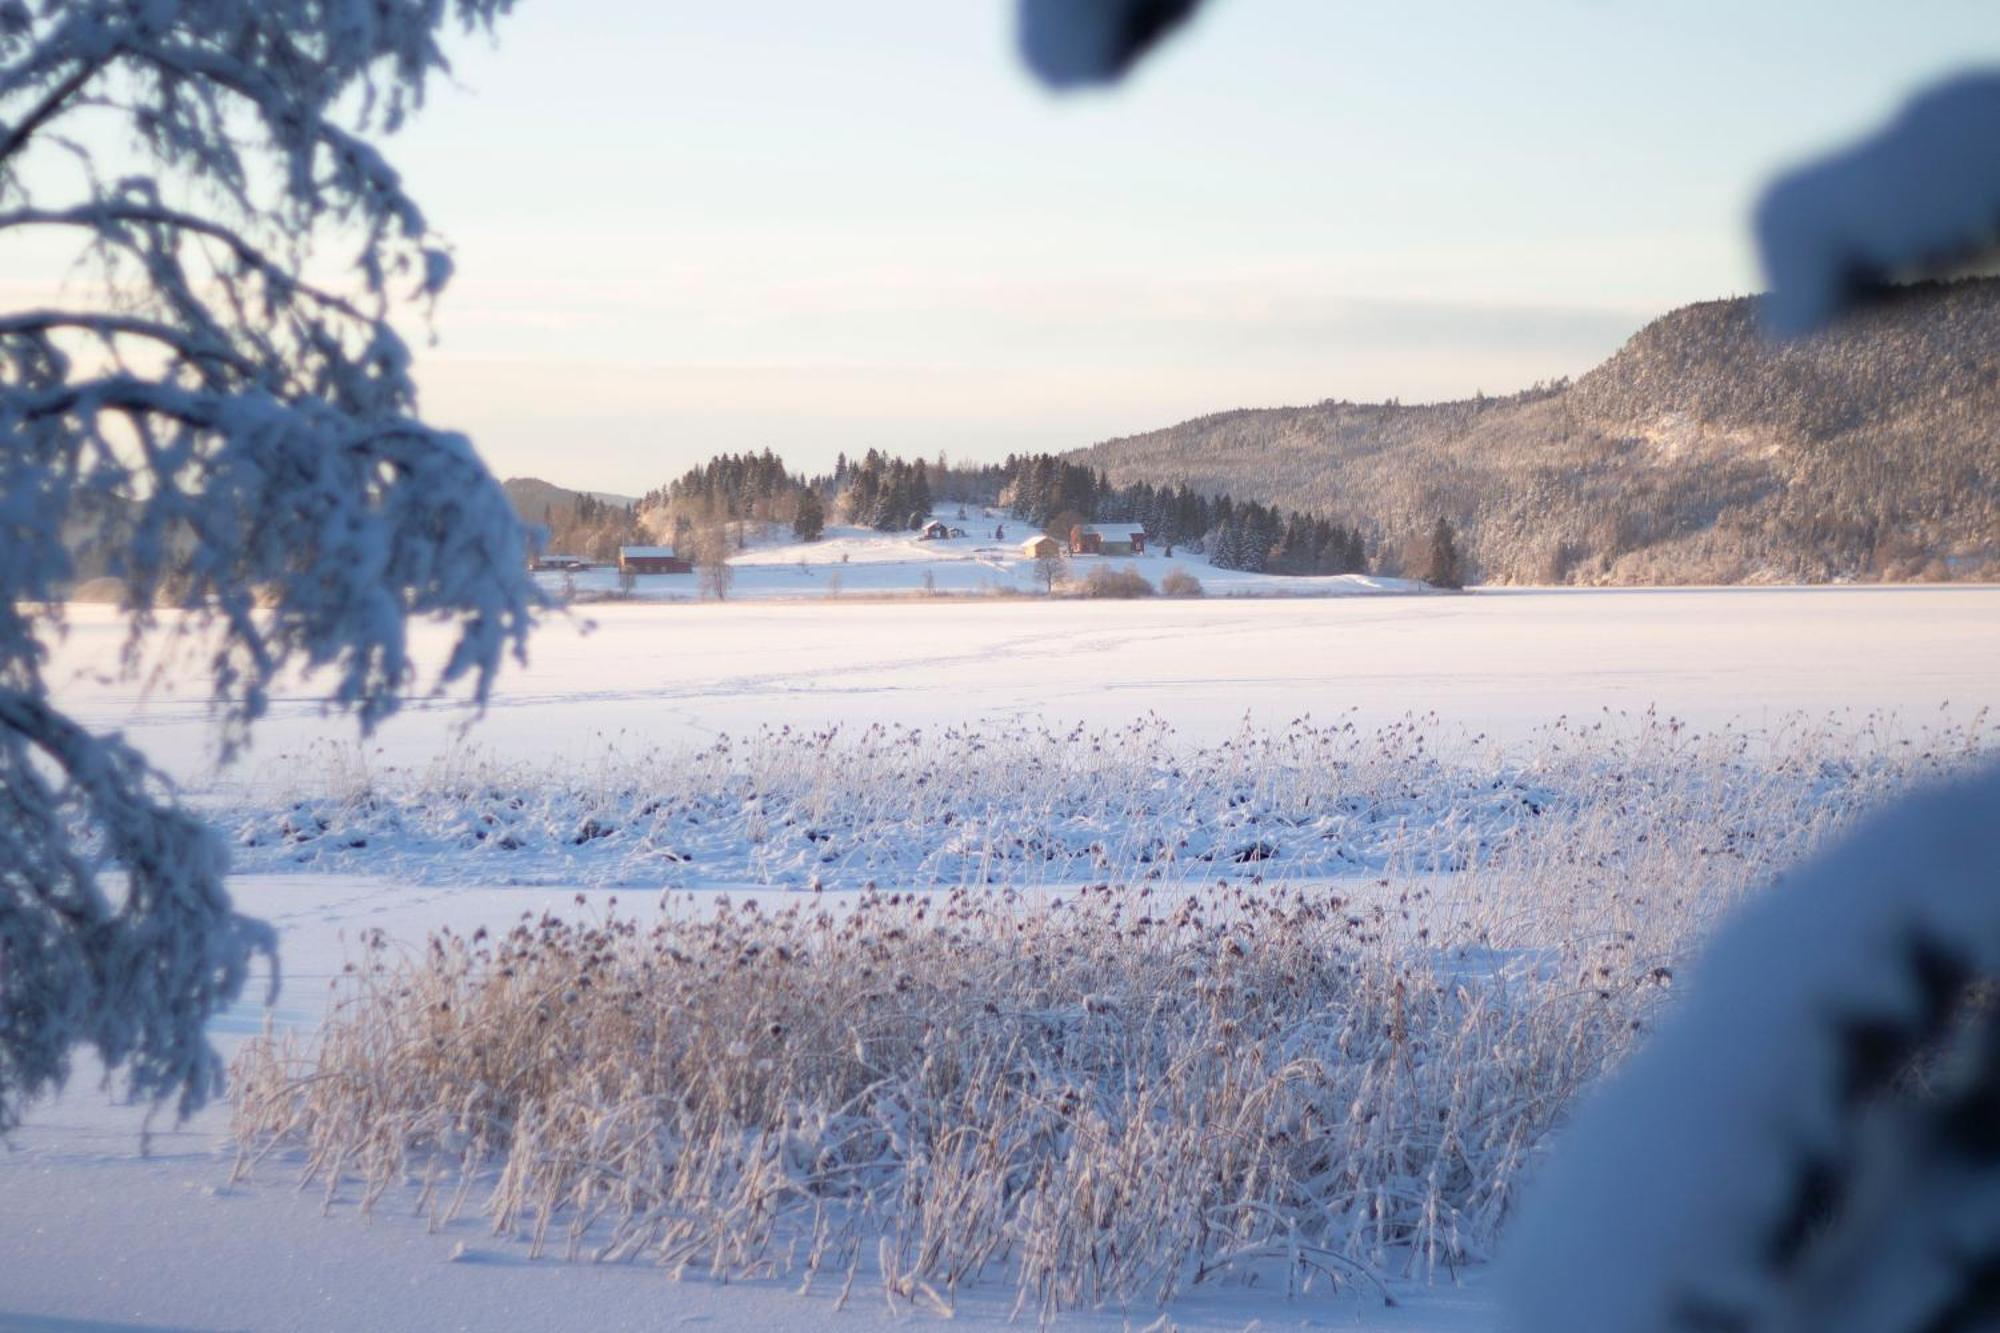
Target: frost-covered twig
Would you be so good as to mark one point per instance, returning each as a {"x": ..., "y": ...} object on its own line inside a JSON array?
[
  {"x": 121, "y": 971},
  {"x": 216, "y": 431}
]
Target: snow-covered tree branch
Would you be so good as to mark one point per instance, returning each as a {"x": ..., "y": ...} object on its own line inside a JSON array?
[
  {"x": 1072, "y": 43},
  {"x": 1917, "y": 198},
  {"x": 1809, "y": 1143},
  {"x": 218, "y": 410}
]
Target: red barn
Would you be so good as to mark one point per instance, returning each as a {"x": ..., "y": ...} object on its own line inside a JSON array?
[
  {"x": 1107, "y": 539},
  {"x": 651, "y": 560}
]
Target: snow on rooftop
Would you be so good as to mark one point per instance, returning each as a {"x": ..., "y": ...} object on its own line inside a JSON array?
[{"x": 646, "y": 552}]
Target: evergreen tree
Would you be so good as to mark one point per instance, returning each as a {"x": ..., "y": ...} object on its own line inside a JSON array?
[
  {"x": 810, "y": 522},
  {"x": 1443, "y": 566},
  {"x": 1222, "y": 546},
  {"x": 861, "y": 495},
  {"x": 1190, "y": 514},
  {"x": 892, "y": 502},
  {"x": 1294, "y": 551},
  {"x": 1252, "y": 547}
]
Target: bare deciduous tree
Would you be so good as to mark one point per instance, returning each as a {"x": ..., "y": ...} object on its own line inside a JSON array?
[{"x": 711, "y": 559}]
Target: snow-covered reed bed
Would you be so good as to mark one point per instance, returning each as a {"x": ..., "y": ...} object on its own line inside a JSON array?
[
  {"x": 1099, "y": 1099},
  {"x": 1026, "y": 807},
  {"x": 1180, "y": 1070}
]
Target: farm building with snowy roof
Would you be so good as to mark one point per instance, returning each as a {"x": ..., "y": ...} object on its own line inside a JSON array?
[
  {"x": 1107, "y": 539},
  {"x": 651, "y": 560}
]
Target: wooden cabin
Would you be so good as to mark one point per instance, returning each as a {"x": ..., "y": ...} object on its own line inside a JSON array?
[
  {"x": 651, "y": 560},
  {"x": 1107, "y": 539}
]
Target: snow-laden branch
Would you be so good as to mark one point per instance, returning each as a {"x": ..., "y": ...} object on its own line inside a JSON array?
[
  {"x": 17, "y": 135},
  {"x": 226, "y": 438},
  {"x": 123, "y": 219},
  {"x": 109, "y": 328},
  {"x": 346, "y": 527},
  {"x": 1809, "y": 1142},
  {"x": 1073, "y": 43},
  {"x": 1917, "y": 198},
  {"x": 117, "y": 969}
]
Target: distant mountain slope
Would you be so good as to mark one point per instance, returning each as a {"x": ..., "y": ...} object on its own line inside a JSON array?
[
  {"x": 534, "y": 497},
  {"x": 592, "y": 524},
  {"x": 1701, "y": 452}
]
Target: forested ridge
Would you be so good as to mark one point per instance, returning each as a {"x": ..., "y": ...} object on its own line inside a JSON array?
[
  {"x": 892, "y": 494},
  {"x": 1702, "y": 452}
]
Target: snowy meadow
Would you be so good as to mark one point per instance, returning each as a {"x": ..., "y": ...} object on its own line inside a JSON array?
[{"x": 932, "y": 968}]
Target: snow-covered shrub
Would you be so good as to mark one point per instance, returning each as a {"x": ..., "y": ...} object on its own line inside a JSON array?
[
  {"x": 208, "y": 424},
  {"x": 1180, "y": 583},
  {"x": 984, "y": 806},
  {"x": 1107, "y": 581},
  {"x": 1101, "y": 1098}
]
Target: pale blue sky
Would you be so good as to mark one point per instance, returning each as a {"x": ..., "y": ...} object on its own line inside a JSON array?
[{"x": 685, "y": 228}]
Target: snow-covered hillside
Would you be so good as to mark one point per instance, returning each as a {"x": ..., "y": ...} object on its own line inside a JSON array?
[{"x": 862, "y": 562}]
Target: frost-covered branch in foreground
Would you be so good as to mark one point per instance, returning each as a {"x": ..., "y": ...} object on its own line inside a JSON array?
[
  {"x": 1070, "y": 43},
  {"x": 196, "y": 417},
  {"x": 1811, "y": 1142},
  {"x": 1919, "y": 197}
]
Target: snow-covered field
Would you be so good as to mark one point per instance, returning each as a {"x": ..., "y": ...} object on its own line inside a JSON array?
[
  {"x": 901, "y": 714},
  {"x": 95, "y": 1237},
  {"x": 856, "y": 562},
  {"x": 626, "y": 677}
]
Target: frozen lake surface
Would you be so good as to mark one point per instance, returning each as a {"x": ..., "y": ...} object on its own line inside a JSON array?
[{"x": 1500, "y": 662}]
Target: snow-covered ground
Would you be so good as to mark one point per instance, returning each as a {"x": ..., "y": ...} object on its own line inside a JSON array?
[
  {"x": 92, "y": 1236},
  {"x": 861, "y": 562},
  {"x": 623, "y": 677}
]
